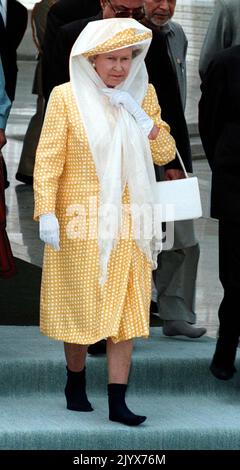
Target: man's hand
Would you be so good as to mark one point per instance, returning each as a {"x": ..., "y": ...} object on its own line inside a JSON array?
[
  {"x": 154, "y": 132},
  {"x": 3, "y": 139},
  {"x": 174, "y": 174}
]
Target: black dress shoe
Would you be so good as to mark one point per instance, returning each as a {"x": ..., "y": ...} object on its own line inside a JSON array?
[
  {"x": 222, "y": 373},
  {"x": 24, "y": 178},
  {"x": 98, "y": 348}
]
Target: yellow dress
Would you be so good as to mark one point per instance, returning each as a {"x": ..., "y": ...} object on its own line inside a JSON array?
[{"x": 74, "y": 307}]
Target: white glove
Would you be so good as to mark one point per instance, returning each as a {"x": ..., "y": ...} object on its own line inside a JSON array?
[
  {"x": 118, "y": 98},
  {"x": 49, "y": 230}
]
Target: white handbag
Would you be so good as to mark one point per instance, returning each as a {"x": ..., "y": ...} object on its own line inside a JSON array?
[{"x": 178, "y": 199}]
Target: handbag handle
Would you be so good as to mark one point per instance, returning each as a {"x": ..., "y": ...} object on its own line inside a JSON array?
[{"x": 182, "y": 164}]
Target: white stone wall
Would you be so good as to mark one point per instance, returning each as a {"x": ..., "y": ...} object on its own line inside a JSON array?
[{"x": 194, "y": 16}]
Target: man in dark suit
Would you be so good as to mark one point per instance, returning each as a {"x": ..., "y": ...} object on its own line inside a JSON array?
[
  {"x": 176, "y": 274},
  {"x": 12, "y": 29},
  {"x": 13, "y": 23},
  {"x": 219, "y": 126},
  {"x": 62, "y": 13}
]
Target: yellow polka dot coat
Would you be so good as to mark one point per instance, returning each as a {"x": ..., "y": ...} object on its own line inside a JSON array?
[{"x": 74, "y": 307}]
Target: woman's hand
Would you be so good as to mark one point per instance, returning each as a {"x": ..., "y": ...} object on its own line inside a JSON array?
[
  {"x": 123, "y": 98},
  {"x": 49, "y": 230}
]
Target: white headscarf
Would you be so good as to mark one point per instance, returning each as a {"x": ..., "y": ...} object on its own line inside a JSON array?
[{"x": 120, "y": 150}]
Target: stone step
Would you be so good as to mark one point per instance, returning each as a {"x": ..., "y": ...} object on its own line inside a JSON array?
[
  {"x": 195, "y": 142},
  {"x": 197, "y": 149}
]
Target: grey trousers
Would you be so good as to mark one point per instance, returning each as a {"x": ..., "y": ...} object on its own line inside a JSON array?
[{"x": 175, "y": 276}]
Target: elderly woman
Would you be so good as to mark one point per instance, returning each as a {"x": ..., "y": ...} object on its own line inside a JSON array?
[{"x": 101, "y": 134}]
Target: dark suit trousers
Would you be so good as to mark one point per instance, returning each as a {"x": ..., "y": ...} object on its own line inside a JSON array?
[{"x": 229, "y": 274}]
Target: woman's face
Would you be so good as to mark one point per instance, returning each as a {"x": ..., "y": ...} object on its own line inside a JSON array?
[{"x": 113, "y": 67}]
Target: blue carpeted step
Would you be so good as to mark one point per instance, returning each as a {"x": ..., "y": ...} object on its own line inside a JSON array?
[
  {"x": 170, "y": 383},
  {"x": 30, "y": 362},
  {"x": 174, "y": 422}
]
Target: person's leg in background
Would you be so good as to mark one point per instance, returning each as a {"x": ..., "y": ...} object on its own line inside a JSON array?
[
  {"x": 7, "y": 263},
  {"x": 175, "y": 280},
  {"x": 222, "y": 365}
]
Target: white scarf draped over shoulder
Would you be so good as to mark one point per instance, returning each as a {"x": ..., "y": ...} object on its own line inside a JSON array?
[{"x": 120, "y": 150}]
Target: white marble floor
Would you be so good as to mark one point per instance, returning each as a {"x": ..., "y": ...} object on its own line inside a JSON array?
[{"x": 23, "y": 231}]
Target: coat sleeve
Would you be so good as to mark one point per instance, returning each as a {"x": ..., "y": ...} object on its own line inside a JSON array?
[
  {"x": 52, "y": 27},
  {"x": 51, "y": 155},
  {"x": 163, "y": 148},
  {"x": 218, "y": 36},
  {"x": 60, "y": 59},
  {"x": 212, "y": 108},
  {"x": 20, "y": 18}
]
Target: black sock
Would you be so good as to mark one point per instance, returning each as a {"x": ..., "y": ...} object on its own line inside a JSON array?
[
  {"x": 118, "y": 410},
  {"x": 75, "y": 391}
]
